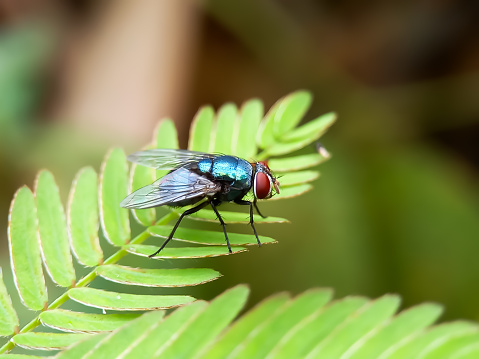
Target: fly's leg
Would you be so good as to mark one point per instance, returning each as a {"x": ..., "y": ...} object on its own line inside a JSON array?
[
  {"x": 184, "y": 214},
  {"x": 251, "y": 204},
  {"x": 215, "y": 203},
  {"x": 257, "y": 209}
]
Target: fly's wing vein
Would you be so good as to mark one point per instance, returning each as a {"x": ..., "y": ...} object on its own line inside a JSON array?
[
  {"x": 168, "y": 159},
  {"x": 178, "y": 185}
]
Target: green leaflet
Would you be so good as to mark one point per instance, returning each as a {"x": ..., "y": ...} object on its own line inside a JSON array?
[
  {"x": 233, "y": 217},
  {"x": 225, "y": 127},
  {"x": 114, "y": 344},
  {"x": 246, "y": 128},
  {"x": 69, "y": 321},
  {"x": 165, "y": 137},
  {"x": 290, "y": 112},
  {"x": 25, "y": 251},
  {"x": 373, "y": 314},
  {"x": 249, "y": 323},
  {"x": 316, "y": 327},
  {"x": 206, "y": 326},
  {"x": 201, "y": 130},
  {"x": 266, "y": 339},
  {"x": 407, "y": 323},
  {"x": 157, "y": 277},
  {"x": 8, "y": 316},
  {"x": 83, "y": 218},
  {"x": 417, "y": 344},
  {"x": 295, "y": 163},
  {"x": 207, "y": 237},
  {"x": 113, "y": 188},
  {"x": 53, "y": 231},
  {"x": 123, "y": 301},
  {"x": 47, "y": 341},
  {"x": 182, "y": 252},
  {"x": 297, "y": 178},
  {"x": 174, "y": 323},
  {"x": 82, "y": 348},
  {"x": 292, "y": 191}
]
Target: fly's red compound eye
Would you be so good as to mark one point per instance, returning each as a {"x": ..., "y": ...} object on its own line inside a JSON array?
[{"x": 262, "y": 185}]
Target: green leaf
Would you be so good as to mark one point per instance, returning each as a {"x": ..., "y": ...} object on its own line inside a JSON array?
[
  {"x": 207, "y": 237},
  {"x": 20, "y": 356},
  {"x": 225, "y": 124},
  {"x": 418, "y": 342},
  {"x": 124, "y": 339},
  {"x": 311, "y": 130},
  {"x": 8, "y": 316},
  {"x": 83, "y": 218},
  {"x": 113, "y": 188},
  {"x": 250, "y": 117},
  {"x": 290, "y": 112},
  {"x": 182, "y": 252},
  {"x": 82, "y": 348},
  {"x": 122, "y": 301},
  {"x": 206, "y": 326},
  {"x": 282, "y": 148},
  {"x": 157, "y": 277},
  {"x": 408, "y": 322},
  {"x": 314, "y": 328},
  {"x": 201, "y": 130},
  {"x": 266, "y": 136},
  {"x": 291, "y": 191},
  {"x": 69, "y": 321},
  {"x": 47, "y": 341},
  {"x": 451, "y": 346},
  {"x": 166, "y": 137},
  {"x": 25, "y": 251},
  {"x": 373, "y": 314},
  {"x": 269, "y": 335},
  {"x": 247, "y": 324},
  {"x": 53, "y": 231},
  {"x": 233, "y": 217},
  {"x": 298, "y": 177},
  {"x": 295, "y": 163},
  {"x": 164, "y": 331}
]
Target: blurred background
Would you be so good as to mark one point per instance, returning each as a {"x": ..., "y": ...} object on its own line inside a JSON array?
[{"x": 397, "y": 207}]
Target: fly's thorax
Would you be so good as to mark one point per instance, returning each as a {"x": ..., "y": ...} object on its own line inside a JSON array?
[
  {"x": 264, "y": 181},
  {"x": 228, "y": 168}
]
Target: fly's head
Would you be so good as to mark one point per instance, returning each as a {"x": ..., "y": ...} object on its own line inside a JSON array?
[{"x": 263, "y": 181}]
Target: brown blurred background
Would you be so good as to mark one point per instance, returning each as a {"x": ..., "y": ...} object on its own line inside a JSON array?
[{"x": 397, "y": 207}]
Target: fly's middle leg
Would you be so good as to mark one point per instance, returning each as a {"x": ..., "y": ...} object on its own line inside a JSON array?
[
  {"x": 250, "y": 204},
  {"x": 213, "y": 204},
  {"x": 184, "y": 214}
]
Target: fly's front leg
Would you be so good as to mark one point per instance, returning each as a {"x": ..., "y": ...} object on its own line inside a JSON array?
[
  {"x": 250, "y": 204},
  {"x": 257, "y": 209},
  {"x": 184, "y": 214},
  {"x": 213, "y": 204}
]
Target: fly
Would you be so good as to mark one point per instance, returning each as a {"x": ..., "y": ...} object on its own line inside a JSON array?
[{"x": 210, "y": 179}]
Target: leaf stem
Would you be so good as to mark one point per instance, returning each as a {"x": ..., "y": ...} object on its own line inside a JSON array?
[{"x": 87, "y": 279}]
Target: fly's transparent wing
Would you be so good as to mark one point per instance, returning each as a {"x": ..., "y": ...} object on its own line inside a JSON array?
[
  {"x": 167, "y": 159},
  {"x": 177, "y": 186}
]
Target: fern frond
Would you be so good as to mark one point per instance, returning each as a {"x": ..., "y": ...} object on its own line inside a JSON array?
[
  {"x": 311, "y": 325},
  {"x": 42, "y": 234}
]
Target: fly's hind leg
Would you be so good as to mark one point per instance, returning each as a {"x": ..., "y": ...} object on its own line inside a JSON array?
[
  {"x": 251, "y": 204},
  {"x": 213, "y": 204},
  {"x": 184, "y": 214}
]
